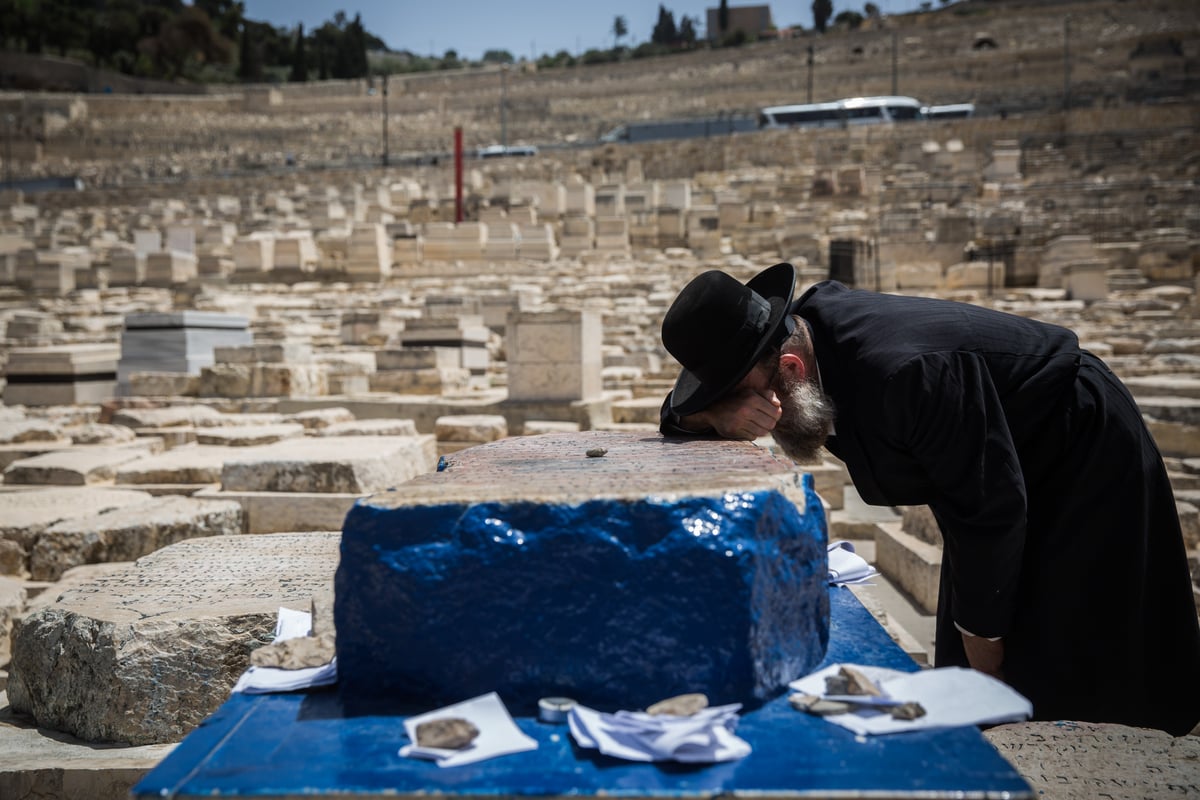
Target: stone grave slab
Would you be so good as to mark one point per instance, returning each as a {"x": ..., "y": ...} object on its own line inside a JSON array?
[
  {"x": 167, "y": 417},
  {"x": 349, "y": 464},
  {"x": 60, "y": 374},
  {"x": 143, "y": 655},
  {"x": 370, "y": 427},
  {"x": 24, "y": 515},
  {"x": 79, "y": 466},
  {"x": 31, "y": 430},
  {"x": 710, "y": 553},
  {"x": 280, "y": 512},
  {"x": 180, "y": 341},
  {"x": 1084, "y": 760},
  {"x": 125, "y": 534},
  {"x": 248, "y": 435},
  {"x": 188, "y": 464},
  {"x": 34, "y": 765}
]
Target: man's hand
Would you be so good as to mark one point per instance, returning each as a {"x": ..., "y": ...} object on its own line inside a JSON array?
[
  {"x": 745, "y": 414},
  {"x": 984, "y": 655}
]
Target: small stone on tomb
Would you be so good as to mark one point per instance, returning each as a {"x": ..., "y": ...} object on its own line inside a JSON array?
[
  {"x": 850, "y": 681},
  {"x": 298, "y": 653},
  {"x": 684, "y": 705},
  {"x": 448, "y": 733},
  {"x": 596, "y": 452},
  {"x": 908, "y": 711}
]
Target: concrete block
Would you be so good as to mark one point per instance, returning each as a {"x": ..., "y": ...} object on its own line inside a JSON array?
[{"x": 909, "y": 563}]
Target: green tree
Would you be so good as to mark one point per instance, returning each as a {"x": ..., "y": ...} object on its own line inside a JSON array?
[
  {"x": 250, "y": 56},
  {"x": 619, "y": 29},
  {"x": 664, "y": 30},
  {"x": 227, "y": 15},
  {"x": 299, "y": 72},
  {"x": 497, "y": 57},
  {"x": 185, "y": 40},
  {"x": 850, "y": 20},
  {"x": 723, "y": 17},
  {"x": 64, "y": 25},
  {"x": 871, "y": 10},
  {"x": 822, "y": 10},
  {"x": 113, "y": 38},
  {"x": 687, "y": 32}
]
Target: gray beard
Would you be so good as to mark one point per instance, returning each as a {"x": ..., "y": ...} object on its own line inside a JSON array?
[{"x": 807, "y": 419}]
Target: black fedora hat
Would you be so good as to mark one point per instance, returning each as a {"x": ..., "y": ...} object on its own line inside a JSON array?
[{"x": 718, "y": 328}]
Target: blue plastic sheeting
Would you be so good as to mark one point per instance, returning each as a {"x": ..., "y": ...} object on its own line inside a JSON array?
[
  {"x": 301, "y": 746},
  {"x": 614, "y": 602}
]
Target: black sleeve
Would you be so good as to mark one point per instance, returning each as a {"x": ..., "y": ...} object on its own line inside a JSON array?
[{"x": 668, "y": 422}]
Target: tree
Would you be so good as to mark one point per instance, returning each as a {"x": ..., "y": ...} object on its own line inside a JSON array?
[
  {"x": 226, "y": 15},
  {"x": 871, "y": 10},
  {"x": 687, "y": 32},
  {"x": 723, "y": 17},
  {"x": 619, "y": 29},
  {"x": 497, "y": 57},
  {"x": 822, "y": 10},
  {"x": 250, "y": 59},
  {"x": 664, "y": 30},
  {"x": 299, "y": 59},
  {"x": 850, "y": 20}
]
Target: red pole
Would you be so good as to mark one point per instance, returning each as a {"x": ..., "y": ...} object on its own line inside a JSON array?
[{"x": 458, "y": 159}]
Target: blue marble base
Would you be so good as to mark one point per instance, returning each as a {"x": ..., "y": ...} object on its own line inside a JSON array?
[
  {"x": 617, "y": 603},
  {"x": 305, "y": 745}
]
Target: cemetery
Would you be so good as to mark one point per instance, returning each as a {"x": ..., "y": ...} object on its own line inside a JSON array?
[{"x": 232, "y": 384}]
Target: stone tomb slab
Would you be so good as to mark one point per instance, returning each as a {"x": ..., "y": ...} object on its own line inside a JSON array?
[
  {"x": 60, "y": 375},
  {"x": 1084, "y": 760},
  {"x": 143, "y": 655},
  {"x": 125, "y": 534},
  {"x": 347, "y": 464},
  {"x": 186, "y": 464},
  {"x": 79, "y": 466},
  {"x": 614, "y": 568},
  {"x": 26, "y": 514},
  {"x": 180, "y": 341}
]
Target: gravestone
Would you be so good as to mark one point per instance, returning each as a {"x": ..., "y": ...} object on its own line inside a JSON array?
[
  {"x": 554, "y": 355},
  {"x": 25, "y": 515},
  {"x": 125, "y": 534},
  {"x": 60, "y": 375},
  {"x": 180, "y": 341},
  {"x": 144, "y": 654},
  {"x": 614, "y": 568}
]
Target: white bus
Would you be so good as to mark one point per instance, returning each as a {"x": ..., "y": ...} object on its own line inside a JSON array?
[
  {"x": 951, "y": 111},
  {"x": 841, "y": 113}
]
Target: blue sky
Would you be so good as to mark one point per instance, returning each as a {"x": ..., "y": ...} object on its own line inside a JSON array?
[{"x": 522, "y": 27}]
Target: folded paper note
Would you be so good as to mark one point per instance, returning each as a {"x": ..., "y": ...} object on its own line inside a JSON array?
[
  {"x": 950, "y": 696},
  {"x": 498, "y": 734}
]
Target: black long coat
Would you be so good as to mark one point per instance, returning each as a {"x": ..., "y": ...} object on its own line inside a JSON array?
[{"x": 1059, "y": 524}]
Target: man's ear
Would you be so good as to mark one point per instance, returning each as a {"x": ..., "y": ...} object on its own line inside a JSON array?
[{"x": 793, "y": 366}]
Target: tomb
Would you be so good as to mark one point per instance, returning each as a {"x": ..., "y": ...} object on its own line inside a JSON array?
[
  {"x": 728, "y": 598},
  {"x": 181, "y": 342},
  {"x": 60, "y": 375},
  {"x": 687, "y": 547}
]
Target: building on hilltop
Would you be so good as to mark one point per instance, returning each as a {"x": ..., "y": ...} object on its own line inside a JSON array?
[{"x": 753, "y": 20}]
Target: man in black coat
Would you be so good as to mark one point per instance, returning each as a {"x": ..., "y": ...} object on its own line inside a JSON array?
[{"x": 1063, "y": 568}]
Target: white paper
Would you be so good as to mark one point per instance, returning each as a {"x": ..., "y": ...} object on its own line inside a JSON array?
[
  {"x": 951, "y": 697},
  {"x": 289, "y": 624},
  {"x": 846, "y": 566},
  {"x": 704, "y": 737},
  {"x": 498, "y": 734}
]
